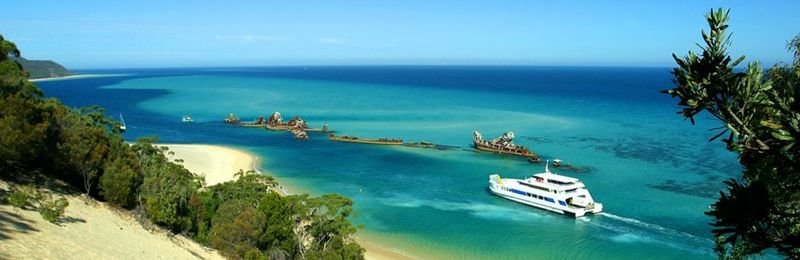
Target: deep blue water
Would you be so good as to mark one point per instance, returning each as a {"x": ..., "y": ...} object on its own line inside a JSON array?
[{"x": 654, "y": 172}]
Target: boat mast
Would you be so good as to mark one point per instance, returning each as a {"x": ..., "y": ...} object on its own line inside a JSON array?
[{"x": 547, "y": 167}]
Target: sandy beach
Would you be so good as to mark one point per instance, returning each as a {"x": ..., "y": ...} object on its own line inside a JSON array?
[
  {"x": 97, "y": 231},
  {"x": 80, "y": 76},
  {"x": 217, "y": 164}
]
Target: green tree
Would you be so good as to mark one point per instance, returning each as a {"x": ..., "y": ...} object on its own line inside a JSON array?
[
  {"x": 85, "y": 144},
  {"x": 25, "y": 121},
  {"x": 324, "y": 223},
  {"x": 760, "y": 113},
  {"x": 278, "y": 235},
  {"x": 165, "y": 193},
  {"x": 120, "y": 182},
  {"x": 237, "y": 228}
]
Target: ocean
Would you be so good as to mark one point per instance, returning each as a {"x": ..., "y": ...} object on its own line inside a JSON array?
[{"x": 654, "y": 172}]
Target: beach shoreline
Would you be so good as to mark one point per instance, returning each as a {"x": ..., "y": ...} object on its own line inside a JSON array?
[
  {"x": 219, "y": 164},
  {"x": 76, "y": 76}
]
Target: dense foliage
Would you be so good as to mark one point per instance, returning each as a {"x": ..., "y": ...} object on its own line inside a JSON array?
[
  {"x": 245, "y": 218},
  {"x": 761, "y": 116},
  {"x": 43, "y": 68}
]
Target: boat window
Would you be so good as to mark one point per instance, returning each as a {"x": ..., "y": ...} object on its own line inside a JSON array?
[
  {"x": 533, "y": 186},
  {"x": 571, "y": 190},
  {"x": 518, "y": 192},
  {"x": 558, "y": 182}
]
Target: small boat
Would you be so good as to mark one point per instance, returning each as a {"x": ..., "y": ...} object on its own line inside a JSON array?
[
  {"x": 187, "y": 119},
  {"x": 556, "y": 162},
  {"x": 122, "y": 127},
  {"x": 353, "y": 139},
  {"x": 549, "y": 191},
  {"x": 503, "y": 145},
  {"x": 567, "y": 167}
]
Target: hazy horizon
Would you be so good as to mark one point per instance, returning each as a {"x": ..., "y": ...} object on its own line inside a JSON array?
[{"x": 157, "y": 34}]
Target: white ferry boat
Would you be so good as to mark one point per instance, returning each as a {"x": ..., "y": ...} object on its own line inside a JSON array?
[{"x": 547, "y": 190}]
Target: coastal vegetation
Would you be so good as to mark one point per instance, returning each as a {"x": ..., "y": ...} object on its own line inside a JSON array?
[
  {"x": 42, "y": 139},
  {"x": 42, "y": 68},
  {"x": 760, "y": 112},
  {"x": 29, "y": 197}
]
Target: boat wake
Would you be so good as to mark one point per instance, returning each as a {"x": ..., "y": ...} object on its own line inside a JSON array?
[
  {"x": 633, "y": 230},
  {"x": 637, "y": 223},
  {"x": 616, "y": 228},
  {"x": 477, "y": 209}
]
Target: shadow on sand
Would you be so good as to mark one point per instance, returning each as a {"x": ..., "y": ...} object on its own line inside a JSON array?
[{"x": 11, "y": 222}]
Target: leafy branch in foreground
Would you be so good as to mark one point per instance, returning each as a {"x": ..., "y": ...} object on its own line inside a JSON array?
[{"x": 760, "y": 112}]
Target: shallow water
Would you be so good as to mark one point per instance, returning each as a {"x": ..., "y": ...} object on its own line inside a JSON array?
[{"x": 653, "y": 171}]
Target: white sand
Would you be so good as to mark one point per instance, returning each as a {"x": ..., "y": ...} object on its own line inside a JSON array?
[
  {"x": 92, "y": 230},
  {"x": 217, "y": 163},
  {"x": 80, "y": 76}
]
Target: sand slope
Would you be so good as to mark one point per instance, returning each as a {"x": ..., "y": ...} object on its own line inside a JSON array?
[{"x": 89, "y": 230}]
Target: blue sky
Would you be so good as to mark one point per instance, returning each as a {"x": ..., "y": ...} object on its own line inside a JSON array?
[{"x": 164, "y": 33}]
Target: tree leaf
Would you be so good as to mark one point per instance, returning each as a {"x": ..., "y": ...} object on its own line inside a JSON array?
[{"x": 770, "y": 124}]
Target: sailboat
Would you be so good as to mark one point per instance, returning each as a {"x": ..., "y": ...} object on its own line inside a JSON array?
[{"x": 122, "y": 127}]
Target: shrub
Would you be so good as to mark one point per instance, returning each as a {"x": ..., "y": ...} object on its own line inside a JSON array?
[
  {"x": 165, "y": 193},
  {"x": 119, "y": 184},
  {"x": 28, "y": 197},
  {"x": 52, "y": 209},
  {"x": 23, "y": 197}
]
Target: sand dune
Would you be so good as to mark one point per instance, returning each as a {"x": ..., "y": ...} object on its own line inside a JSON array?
[{"x": 89, "y": 230}]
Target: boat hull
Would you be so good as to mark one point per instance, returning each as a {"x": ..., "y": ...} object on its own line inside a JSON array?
[{"x": 542, "y": 205}]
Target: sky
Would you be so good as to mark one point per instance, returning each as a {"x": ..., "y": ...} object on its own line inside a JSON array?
[{"x": 84, "y": 34}]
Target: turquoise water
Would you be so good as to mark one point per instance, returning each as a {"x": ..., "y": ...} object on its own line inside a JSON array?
[{"x": 654, "y": 172}]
